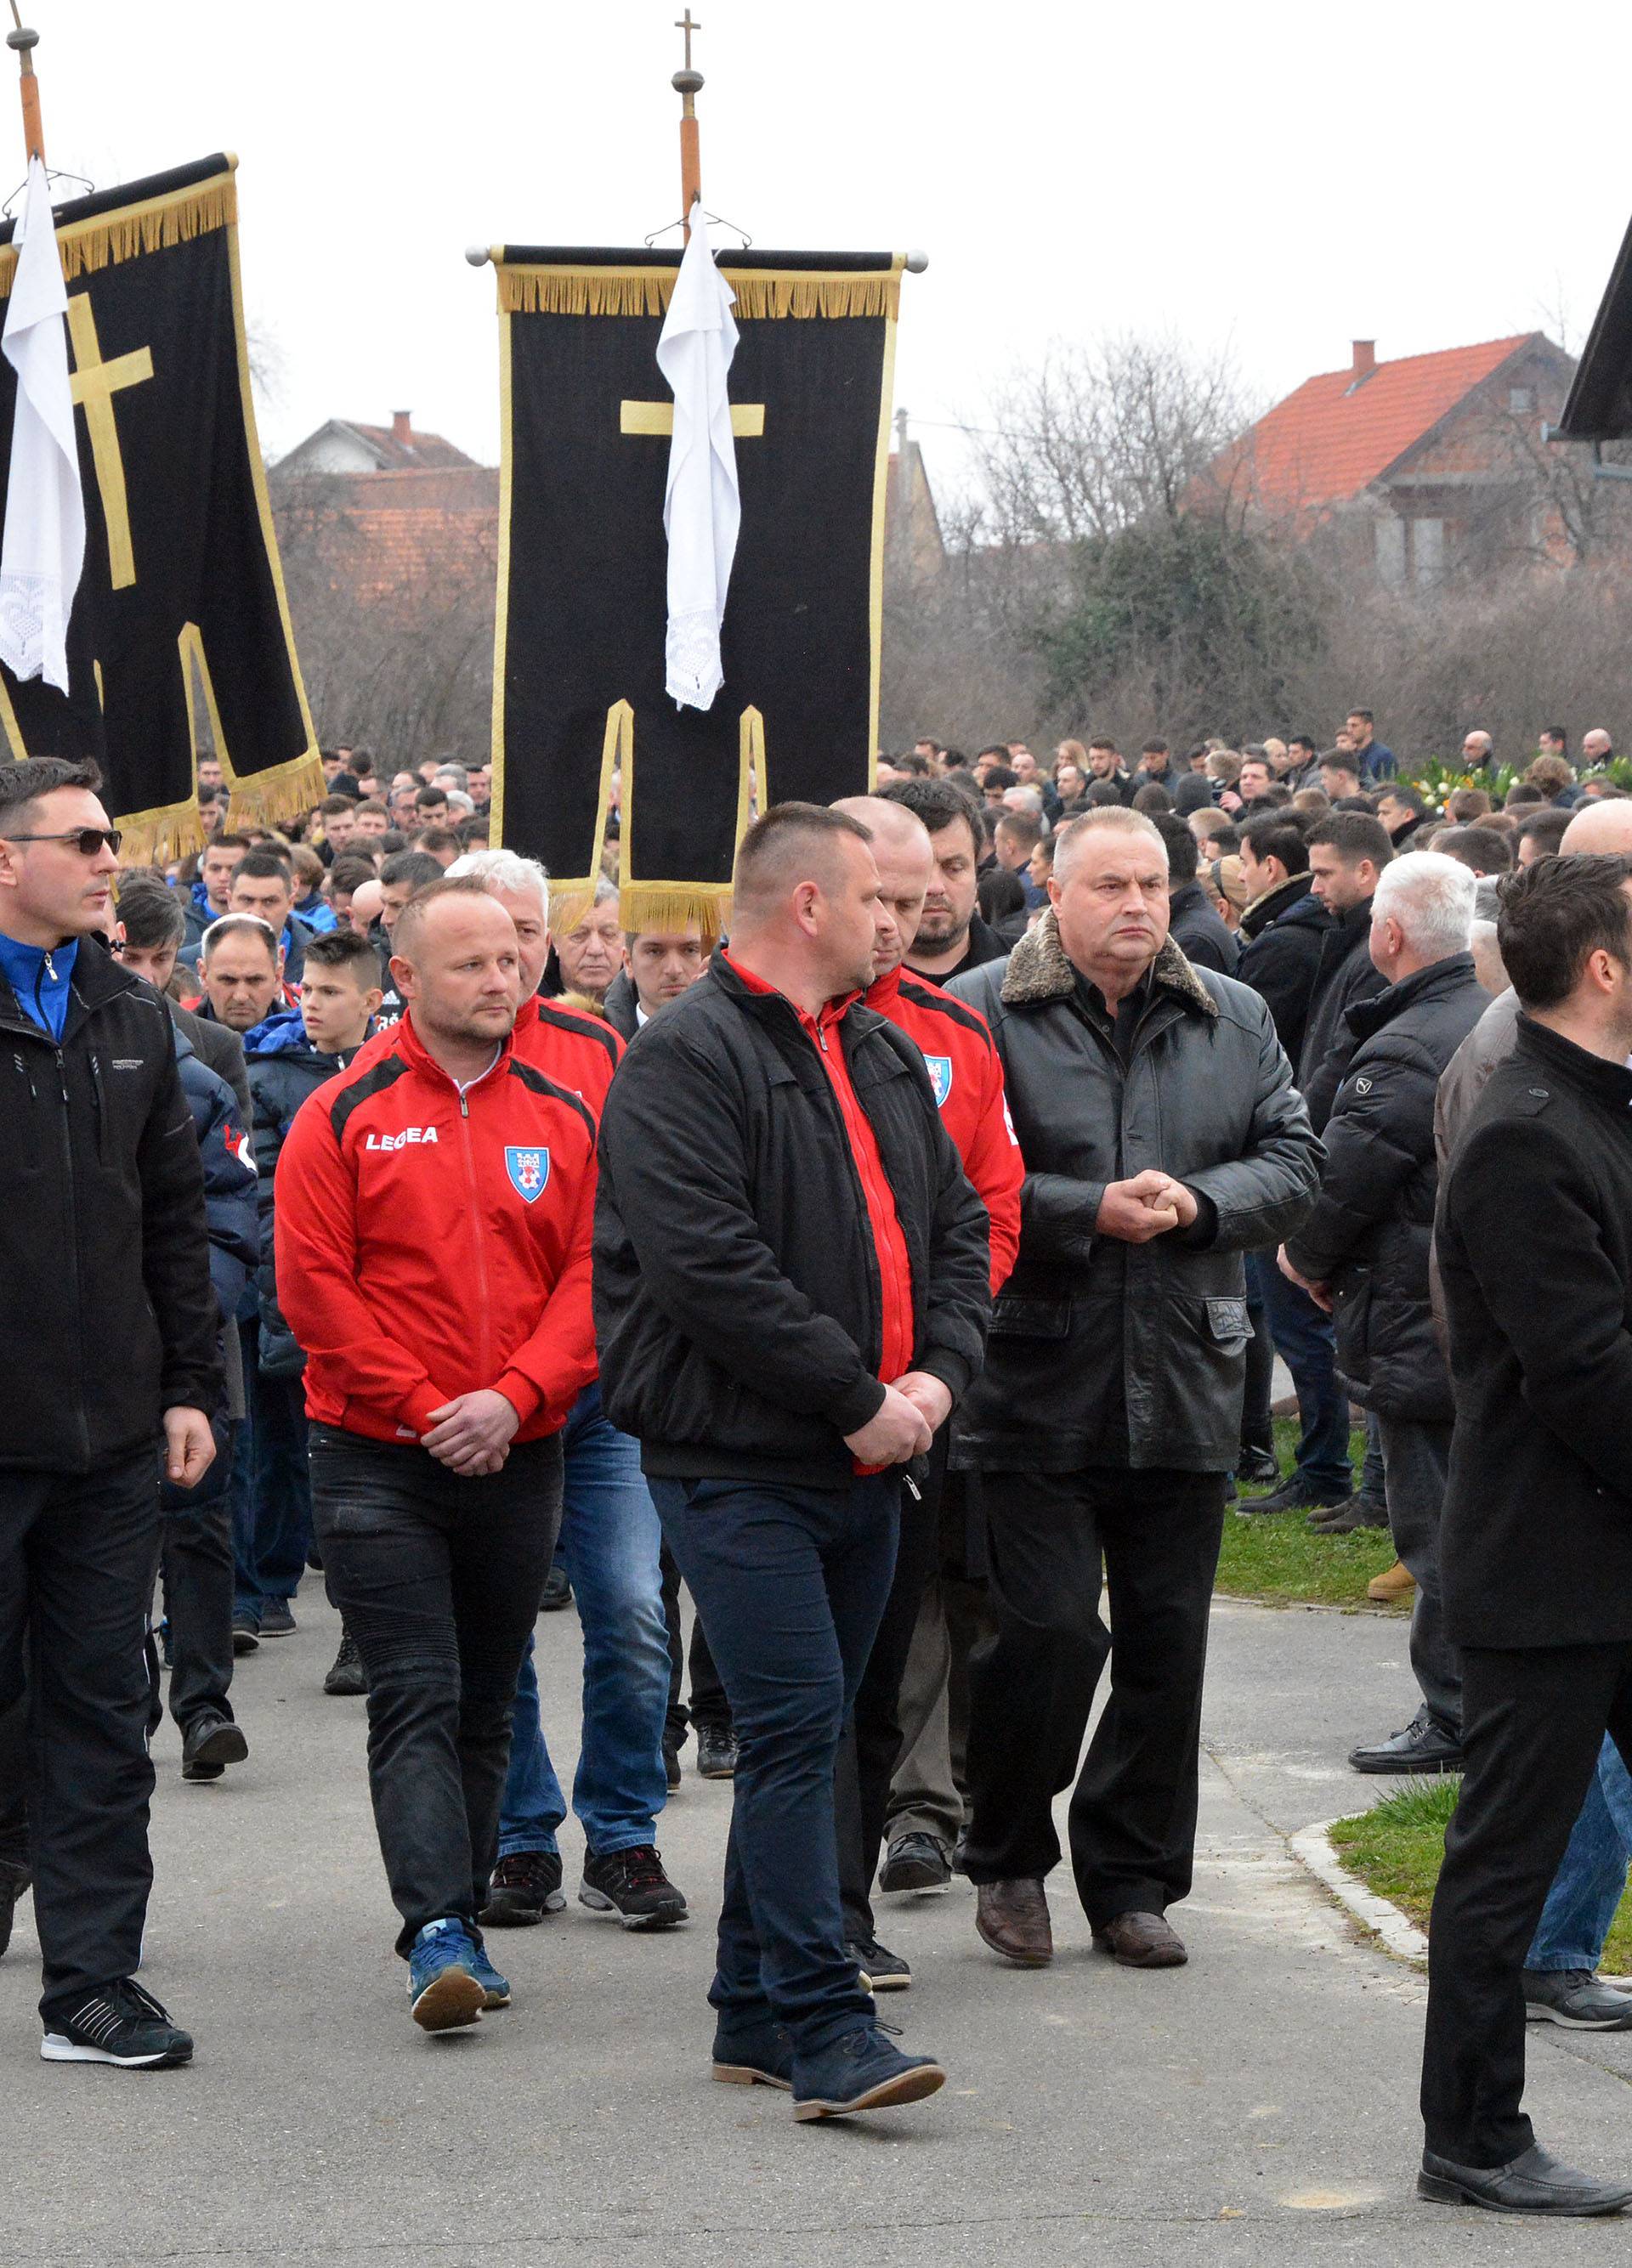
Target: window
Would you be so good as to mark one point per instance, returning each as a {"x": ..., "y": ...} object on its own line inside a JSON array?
[
  {"x": 1521, "y": 400},
  {"x": 1390, "y": 549},
  {"x": 1427, "y": 551}
]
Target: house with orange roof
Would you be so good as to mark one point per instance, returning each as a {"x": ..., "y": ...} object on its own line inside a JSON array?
[{"x": 1431, "y": 464}]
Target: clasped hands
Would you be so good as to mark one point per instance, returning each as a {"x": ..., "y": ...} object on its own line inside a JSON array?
[
  {"x": 1147, "y": 1206},
  {"x": 472, "y": 1434},
  {"x": 912, "y": 1408}
]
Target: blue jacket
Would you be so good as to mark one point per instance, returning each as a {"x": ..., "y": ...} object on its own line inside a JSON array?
[
  {"x": 283, "y": 1069},
  {"x": 1380, "y": 762}
]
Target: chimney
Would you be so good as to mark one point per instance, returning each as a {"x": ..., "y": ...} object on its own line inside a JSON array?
[
  {"x": 402, "y": 423},
  {"x": 1365, "y": 357}
]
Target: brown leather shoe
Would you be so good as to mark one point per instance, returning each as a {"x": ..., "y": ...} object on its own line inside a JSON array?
[
  {"x": 1141, "y": 1941},
  {"x": 1012, "y": 1919}
]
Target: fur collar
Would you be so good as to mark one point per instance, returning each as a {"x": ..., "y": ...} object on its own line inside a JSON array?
[{"x": 1038, "y": 970}]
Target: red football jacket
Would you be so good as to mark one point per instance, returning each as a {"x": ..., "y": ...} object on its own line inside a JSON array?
[
  {"x": 430, "y": 1243},
  {"x": 967, "y": 1075},
  {"x": 579, "y": 1052}
]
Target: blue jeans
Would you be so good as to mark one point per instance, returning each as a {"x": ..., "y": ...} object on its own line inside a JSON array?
[
  {"x": 1304, "y": 1340},
  {"x": 609, "y": 1543},
  {"x": 271, "y": 1487},
  {"x": 790, "y": 1584},
  {"x": 1592, "y": 1875}
]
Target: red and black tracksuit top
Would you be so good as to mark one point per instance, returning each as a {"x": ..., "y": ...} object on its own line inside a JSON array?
[
  {"x": 966, "y": 1073},
  {"x": 431, "y": 1242}
]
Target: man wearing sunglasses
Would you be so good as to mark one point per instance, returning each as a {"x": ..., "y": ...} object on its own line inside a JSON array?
[{"x": 107, "y": 1346}]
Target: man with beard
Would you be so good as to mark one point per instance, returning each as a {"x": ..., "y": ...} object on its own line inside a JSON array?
[{"x": 951, "y": 936}]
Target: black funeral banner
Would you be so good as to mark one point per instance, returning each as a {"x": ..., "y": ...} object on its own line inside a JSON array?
[
  {"x": 182, "y": 599},
  {"x": 578, "y": 681}
]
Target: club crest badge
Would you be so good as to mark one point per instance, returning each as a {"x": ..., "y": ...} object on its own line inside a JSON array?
[
  {"x": 940, "y": 1070},
  {"x": 528, "y": 1171}
]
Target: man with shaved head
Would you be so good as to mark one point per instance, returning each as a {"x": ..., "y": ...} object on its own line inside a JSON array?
[
  {"x": 968, "y": 1081},
  {"x": 788, "y": 1302},
  {"x": 435, "y": 1209},
  {"x": 1561, "y": 1985}
]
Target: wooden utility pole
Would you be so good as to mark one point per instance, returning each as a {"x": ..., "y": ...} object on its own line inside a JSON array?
[
  {"x": 25, "y": 41},
  {"x": 687, "y": 85}
]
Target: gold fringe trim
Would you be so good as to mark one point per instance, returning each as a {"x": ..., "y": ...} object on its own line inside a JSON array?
[
  {"x": 761, "y": 293},
  {"x": 667, "y": 908},
  {"x": 153, "y": 838},
  {"x": 153, "y": 226}
]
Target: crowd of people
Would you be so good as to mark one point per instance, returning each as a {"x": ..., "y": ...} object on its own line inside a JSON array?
[{"x": 895, "y": 1274}]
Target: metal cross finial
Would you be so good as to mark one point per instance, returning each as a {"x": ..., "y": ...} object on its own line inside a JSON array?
[{"x": 686, "y": 26}]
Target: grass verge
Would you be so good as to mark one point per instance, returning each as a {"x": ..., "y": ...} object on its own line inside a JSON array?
[
  {"x": 1277, "y": 1557},
  {"x": 1397, "y": 1846}
]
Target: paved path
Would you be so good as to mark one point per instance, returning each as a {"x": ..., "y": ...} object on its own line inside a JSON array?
[{"x": 1255, "y": 2108}]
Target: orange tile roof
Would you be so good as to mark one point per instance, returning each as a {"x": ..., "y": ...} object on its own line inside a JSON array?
[
  {"x": 392, "y": 538},
  {"x": 1326, "y": 443}
]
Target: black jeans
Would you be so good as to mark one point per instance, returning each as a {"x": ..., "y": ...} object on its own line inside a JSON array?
[
  {"x": 709, "y": 1710},
  {"x": 196, "y": 1566},
  {"x": 871, "y": 1747},
  {"x": 1133, "y": 1814},
  {"x": 1533, "y": 1720},
  {"x": 78, "y": 1559},
  {"x": 791, "y": 1582},
  {"x": 438, "y": 1578}
]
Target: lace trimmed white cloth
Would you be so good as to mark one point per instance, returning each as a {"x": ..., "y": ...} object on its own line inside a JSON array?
[
  {"x": 42, "y": 550},
  {"x": 702, "y": 510}
]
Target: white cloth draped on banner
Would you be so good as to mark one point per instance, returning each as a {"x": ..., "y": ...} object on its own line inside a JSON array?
[
  {"x": 43, "y": 549},
  {"x": 702, "y": 510}
]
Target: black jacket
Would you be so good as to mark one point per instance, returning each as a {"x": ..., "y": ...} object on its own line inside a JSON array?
[
  {"x": 283, "y": 1069},
  {"x": 1198, "y": 933},
  {"x": 1282, "y": 932},
  {"x": 737, "y": 1298},
  {"x": 107, "y": 1316},
  {"x": 622, "y": 1005},
  {"x": 1369, "y": 1234},
  {"x": 1113, "y": 1354},
  {"x": 1534, "y": 1235},
  {"x": 1345, "y": 974}
]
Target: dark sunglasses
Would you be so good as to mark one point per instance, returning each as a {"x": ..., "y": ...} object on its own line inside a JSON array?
[{"x": 87, "y": 841}]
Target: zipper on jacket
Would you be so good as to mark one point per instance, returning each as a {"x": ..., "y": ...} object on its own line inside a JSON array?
[
  {"x": 73, "y": 1243},
  {"x": 98, "y": 1106},
  {"x": 475, "y": 1227}
]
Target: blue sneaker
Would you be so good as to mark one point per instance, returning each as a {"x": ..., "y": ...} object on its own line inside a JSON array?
[
  {"x": 860, "y": 2072},
  {"x": 496, "y": 1987},
  {"x": 761, "y": 2055},
  {"x": 443, "y": 1989}
]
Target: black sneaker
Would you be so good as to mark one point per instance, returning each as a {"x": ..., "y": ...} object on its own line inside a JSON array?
[
  {"x": 1578, "y": 1999},
  {"x": 1423, "y": 1747},
  {"x": 346, "y": 1675},
  {"x": 557, "y": 1592},
  {"x": 123, "y": 2026},
  {"x": 1258, "y": 1469},
  {"x": 633, "y": 1885},
  {"x": 13, "y": 1883},
  {"x": 671, "y": 1764},
  {"x": 880, "y": 1971},
  {"x": 916, "y": 1862},
  {"x": 524, "y": 1887},
  {"x": 209, "y": 1743},
  {"x": 1350, "y": 1516},
  {"x": 246, "y": 1633},
  {"x": 277, "y": 1619},
  {"x": 716, "y": 1752},
  {"x": 1295, "y": 1495}
]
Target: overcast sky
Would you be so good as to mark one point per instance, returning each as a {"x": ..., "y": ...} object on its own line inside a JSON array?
[{"x": 1274, "y": 178}]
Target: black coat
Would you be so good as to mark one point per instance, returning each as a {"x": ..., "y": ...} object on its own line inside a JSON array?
[
  {"x": 1369, "y": 1235},
  {"x": 107, "y": 1316},
  {"x": 1199, "y": 932},
  {"x": 281, "y": 1077},
  {"x": 622, "y": 1005},
  {"x": 1102, "y": 1351},
  {"x": 1345, "y": 974},
  {"x": 1280, "y": 951},
  {"x": 738, "y": 1303},
  {"x": 1535, "y": 1250}
]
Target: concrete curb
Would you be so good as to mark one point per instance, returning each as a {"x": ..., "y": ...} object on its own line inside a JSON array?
[{"x": 1398, "y": 1933}]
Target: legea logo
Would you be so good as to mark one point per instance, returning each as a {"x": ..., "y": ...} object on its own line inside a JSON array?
[{"x": 410, "y": 1134}]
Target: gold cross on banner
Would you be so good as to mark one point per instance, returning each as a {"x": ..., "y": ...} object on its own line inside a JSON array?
[
  {"x": 94, "y": 386},
  {"x": 748, "y": 418}
]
